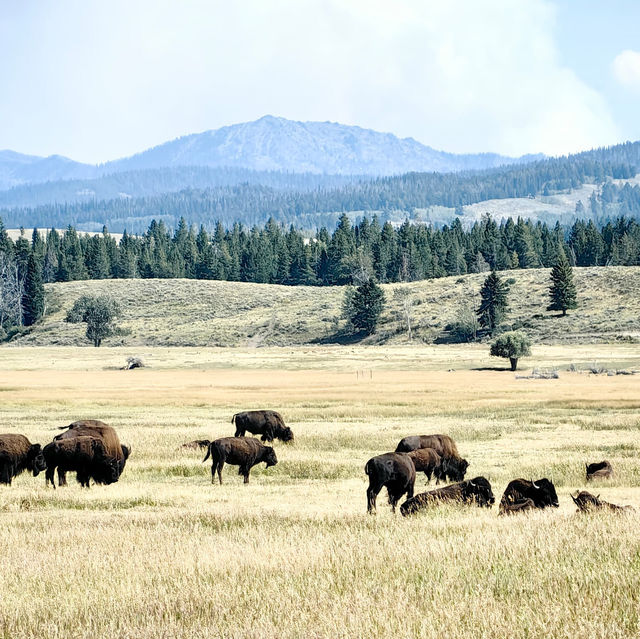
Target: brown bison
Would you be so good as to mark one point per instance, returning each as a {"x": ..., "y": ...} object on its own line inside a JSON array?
[
  {"x": 197, "y": 443},
  {"x": 99, "y": 430},
  {"x": 474, "y": 491},
  {"x": 542, "y": 492},
  {"x": 586, "y": 503},
  {"x": 18, "y": 454},
  {"x": 513, "y": 507},
  {"x": 427, "y": 461},
  {"x": 393, "y": 470},
  {"x": 453, "y": 466},
  {"x": 245, "y": 452},
  {"x": 85, "y": 455},
  {"x": 267, "y": 423},
  {"x": 599, "y": 470}
]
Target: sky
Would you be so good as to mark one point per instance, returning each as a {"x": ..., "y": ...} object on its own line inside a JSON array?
[{"x": 95, "y": 80}]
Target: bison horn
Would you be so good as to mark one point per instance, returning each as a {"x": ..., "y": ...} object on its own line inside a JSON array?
[
  {"x": 471, "y": 483},
  {"x": 533, "y": 483}
]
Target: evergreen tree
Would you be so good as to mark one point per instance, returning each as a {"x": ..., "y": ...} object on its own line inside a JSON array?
[
  {"x": 563, "y": 290},
  {"x": 366, "y": 306},
  {"x": 493, "y": 304},
  {"x": 33, "y": 296}
]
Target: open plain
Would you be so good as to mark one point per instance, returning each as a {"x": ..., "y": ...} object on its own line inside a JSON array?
[{"x": 164, "y": 553}]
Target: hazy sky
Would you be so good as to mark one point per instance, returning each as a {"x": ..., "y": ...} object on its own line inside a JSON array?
[{"x": 95, "y": 80}]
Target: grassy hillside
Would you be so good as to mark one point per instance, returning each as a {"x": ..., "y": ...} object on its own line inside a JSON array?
[{"x": 212, "y": 313}]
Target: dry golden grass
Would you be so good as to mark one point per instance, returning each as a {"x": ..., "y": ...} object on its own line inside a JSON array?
[{"x": 163, "y": 553}]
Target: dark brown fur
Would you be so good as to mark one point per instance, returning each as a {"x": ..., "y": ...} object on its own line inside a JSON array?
[
  {"x": 453, "y": 466},
  {"x": 267, "y": 423},
  {"x": 427, "y": 461},
  {"x": 600, "y": 470},
  {"x": 18, "y": 454},
  {"x": 197, "y": 443},
  {"x": 393, "y": 470},
  {"x": 474, "y": 491},
  {"x": 586, "y": 503},
  {"x": 245, "y": 452},
  {"x": 520, "y": 506}
]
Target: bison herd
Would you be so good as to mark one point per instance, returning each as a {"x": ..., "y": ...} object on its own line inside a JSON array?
[{"x": 92, "y": 450}]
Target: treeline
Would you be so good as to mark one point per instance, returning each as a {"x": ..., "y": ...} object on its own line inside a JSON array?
[{"x": 252, "y": 203}]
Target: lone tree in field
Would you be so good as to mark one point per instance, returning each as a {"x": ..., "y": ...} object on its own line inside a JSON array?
[
  {"x": 563, "y": 290},
  {"x": 33, "y": 296},
  {"x": 512, "y": 346},
  {"x": 365, "y": 306},
  {"x": 493, "y": 305},
  {"x": 98, "y": 312}
]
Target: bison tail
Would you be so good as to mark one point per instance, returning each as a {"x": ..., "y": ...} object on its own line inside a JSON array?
[
  {"x": 366, "y": 468},
  {"x": 233, "y": 419},
  {"x": 207, "y": 455}
]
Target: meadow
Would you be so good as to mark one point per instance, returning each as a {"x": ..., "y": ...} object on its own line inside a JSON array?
[{"x": 164, "y": 553}]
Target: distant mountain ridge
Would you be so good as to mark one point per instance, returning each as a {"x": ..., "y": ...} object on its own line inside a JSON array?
[{"x": 267, "y": 144}]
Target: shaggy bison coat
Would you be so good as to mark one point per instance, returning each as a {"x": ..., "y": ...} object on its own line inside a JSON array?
[
  {"x": 245, "y": 452},
  {"x": 586, "y": 503},
  {"x": 106, "y": 434},
  {"x": 520, "y": 506},
  {"x": 542, "y": 492},
  {"x": 18, "y": 454},
  {"x": 474, "y": 491},
  {"x": 267, "y": 423},
  {"x": 600, "y": 470},
  {"x": 393, "y": 470},
  {"x": 85, "y": 455},
  {"x": 427, "y": 461},
  {"x": 453, "y": 466}
]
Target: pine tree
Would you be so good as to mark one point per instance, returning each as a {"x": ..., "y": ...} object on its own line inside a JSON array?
[
  {"x": 563, "y": 290},
  {"x": 33, "y": 296},
  {"x": 493, "y": 305},
  {"x": 366, "y": 305}
]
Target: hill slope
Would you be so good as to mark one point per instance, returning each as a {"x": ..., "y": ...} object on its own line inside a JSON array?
[{"x": 212, "y": 313}]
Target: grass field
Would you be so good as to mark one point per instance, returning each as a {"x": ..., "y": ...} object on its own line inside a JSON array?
[{"x": 164, "y": 553}]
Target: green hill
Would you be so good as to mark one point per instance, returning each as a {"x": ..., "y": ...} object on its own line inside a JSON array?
[{"x": 213, "y": 313}]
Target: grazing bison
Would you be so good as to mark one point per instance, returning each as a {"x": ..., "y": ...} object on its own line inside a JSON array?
[
  {"x": 245, "y": 452},
  {"x": 600, "y": 470},
  {"x": 586, "y": 503},
  {"x": 520, "y": 506},
  {"x": 427, "y": 461},
  {"x": 18, "y": 454},
  {"x": 99, "y": 430},
  {"x": 542, "y": 492},
  {"x": 85, "y": 455},
  {"x": 453, "y": 466},
  {"x": 474, "y": 491},
  {"x": 267, "y": 423},
  {"x": 393, "y": 470}
]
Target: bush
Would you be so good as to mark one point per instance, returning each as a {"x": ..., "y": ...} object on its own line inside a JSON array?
[{"x": 512, "y": 346}]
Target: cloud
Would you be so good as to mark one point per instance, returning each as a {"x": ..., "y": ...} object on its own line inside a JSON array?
[{"x": 626, "y": 69}]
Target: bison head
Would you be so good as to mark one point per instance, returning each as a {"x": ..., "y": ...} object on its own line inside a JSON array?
[
  {"x": 480, "y": 488},
  {"x": 270, "y": 458},
  {"x": 543, "y": 493},
  {"x": 285, "y": 434},
  {"x": 35, "y": 460},
  {"x": 453, "y": 468}
]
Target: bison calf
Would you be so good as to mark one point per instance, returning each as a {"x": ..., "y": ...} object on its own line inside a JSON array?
[
  {"x": 542, "y": 492},
  {"x": 474, "y": 491},
  {"x": 18, "y": 454},
  {"x": 245, "y": 452},
  {"x": 513, "y": 507},
  {"x": 427, "y": 461},
  {"x": 586, "y": 502},
  {"x": 267, "y": 423},
  {"x": 600, "y": 470},
  {"x": 393, "y": 470},
  {"x": 453, "y": 466}
]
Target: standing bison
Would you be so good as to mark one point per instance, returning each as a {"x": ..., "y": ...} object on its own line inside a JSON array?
[
  {"x": 542, "y": 492},
  {"x": 474, "y": 491},
  {"x": 427, "y": 461},
  {"x": 85, "y": 455},
  {"x": 599, "y": 470},
  {"x": 245, "y": 452},
  {"x": 18, "y": 454},
  {"x": 453, "y": 466},
  {"x": 99, "y": 430},
  {"x": 267, "y": 423},
  {"x": 393, "y": 470}
]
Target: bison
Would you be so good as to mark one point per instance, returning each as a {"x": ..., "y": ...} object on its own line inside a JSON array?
[
  {"x": 245, "y": 452},
  {"x": 473, "y": 491},
  {"x": 427, "y": 461},
  {"x": 542, "y": 492},
  {"x": 586, "y": 503},
  {"x": 453, "y": 466},
  {"x": 86, "y": 455},
  {"x": 393, "y": 470},
  {"x": 18, "y": 454},
  {"x": 197, "y": 443},
  {"x": 520, "y": 506},
  {"x": 267, "y": 423},
  {"x": 599, "y": 470},
  {"x": 99, "y": 430}
]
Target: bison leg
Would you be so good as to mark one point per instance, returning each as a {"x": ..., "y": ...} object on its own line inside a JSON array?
[
  {"x": 372, "y": 493},
  {"x": 245, "y": 473},
  {"x": 239, "y": 431},
  {"x": 49, "y": 476},
  {"x": 62, "y": 477},
  {"x": 217, "y": 468}
]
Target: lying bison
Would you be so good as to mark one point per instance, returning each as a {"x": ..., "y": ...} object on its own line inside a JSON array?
[
  {"x": 393, "y": 470},
  {"x": 267, "y": 423},
  {"x": 245, "y": 452},
  {"x": 514, "y": 507},
  {"x": 106, "y": 434},
  {"x": 18, "y": 454},
  {"x": 453, "y": 466},
  {"x": 85, "y": 455},
  {"x": 427, "y": 461},
  {"x": 542, "y": 492},
  {"x": 474, "y": 491},
  {"x": 586, "y": 503},
  {"x": 599, "y": 470}
]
